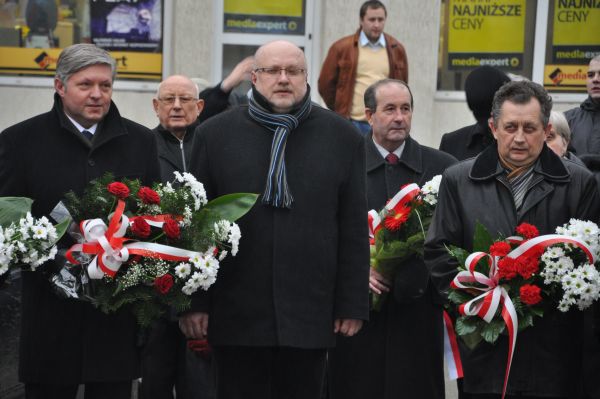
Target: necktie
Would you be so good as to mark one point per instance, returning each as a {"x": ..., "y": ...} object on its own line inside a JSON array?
[
  {"x": 391, "y": 158},
  {"x": 87, "y": 135}
]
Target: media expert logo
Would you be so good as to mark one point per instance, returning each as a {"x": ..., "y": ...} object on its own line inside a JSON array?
[
  {"x": 557, "y": 76},
  {"x": 44, "y": 60}
]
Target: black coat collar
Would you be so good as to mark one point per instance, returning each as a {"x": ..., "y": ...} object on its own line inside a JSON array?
[
  {"x": 189, "y": 131},
  {"x": 549, "y": 165},
  {"x": 411, "y": 155},
  {"x": 110, "y": 127}
]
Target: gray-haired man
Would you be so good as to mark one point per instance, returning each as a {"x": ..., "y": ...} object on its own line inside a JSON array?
[{"x": 65, "y": 343}]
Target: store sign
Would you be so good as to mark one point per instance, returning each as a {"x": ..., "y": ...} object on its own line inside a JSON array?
[
  {"x": 481, "y": 32},
  {"x": 282, "y": 17},
  {"x": 576, "y": 35},
  {"x": 131, "y": 31}
]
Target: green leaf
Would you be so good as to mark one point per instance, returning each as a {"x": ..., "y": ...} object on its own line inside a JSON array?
[
  {"x": 61, "y": 228},
  {"x": 526, "y": 320},
  {"x": 459, "y": 254},
  {"x": 13, "y": 208},
  {"x": 537, "y": 311},
  {"x": 492, "y": 330},
  {"x": 482, "y": 240},
  {"x": 459, "y": 296},
  {"x": 465, "y": 325},
  {"x": 471, "y": 340},
  {"x": 232, "y": 206}
]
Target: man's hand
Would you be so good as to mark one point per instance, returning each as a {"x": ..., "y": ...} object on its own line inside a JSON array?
[
  {"x": 347, "y": 327},
  {"x": 240, "y": 73},
  {"x": 194, "y": 325},
  {"x": 378, "y": 283}
]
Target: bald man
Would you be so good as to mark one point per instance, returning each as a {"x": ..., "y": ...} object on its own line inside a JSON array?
[
  {"x": 301, "y": 274},
  {"x": 177, "y": 106},
  {"x": 167, "y": 362}
]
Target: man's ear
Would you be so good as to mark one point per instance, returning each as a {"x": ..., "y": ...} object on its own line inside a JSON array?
[
  {"x": 369, "y": 115},
  {"x": 60, "y": 87},
  {"x": 492, "y": 127}
]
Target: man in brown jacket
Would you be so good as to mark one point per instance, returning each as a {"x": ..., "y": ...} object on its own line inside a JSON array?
[{"x": 355, "y": 62}]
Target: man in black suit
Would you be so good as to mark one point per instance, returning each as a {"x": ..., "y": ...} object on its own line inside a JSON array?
[
  {"x": 480, "y": 86},
  {"x": 399, "y": 353},
  {"x": 64, "y": 342},
  {"x": 301, "y": 274}
]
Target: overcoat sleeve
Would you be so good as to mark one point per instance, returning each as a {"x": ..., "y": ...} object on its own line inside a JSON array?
[
  {"x": 352, "y": 278},
  {"x": 12, "y": 181}
]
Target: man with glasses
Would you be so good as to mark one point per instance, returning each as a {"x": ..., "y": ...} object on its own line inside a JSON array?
[
  {"x": 167, "y": 362},
  {"x": 301, "y": 274},
  {"x": 357, "y": 61}
]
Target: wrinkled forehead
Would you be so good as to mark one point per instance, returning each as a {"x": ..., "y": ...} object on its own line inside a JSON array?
[{"x": 594, "y": 66}]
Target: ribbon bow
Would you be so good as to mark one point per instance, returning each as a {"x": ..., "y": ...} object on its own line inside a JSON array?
[
  {"x": 108, "y": 244},
  {"x": 495, "y": 295},
  {"x": 402, "y": 197}
]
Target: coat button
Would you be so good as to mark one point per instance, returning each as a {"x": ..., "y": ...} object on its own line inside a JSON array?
[{"x": 91, "y": 162}]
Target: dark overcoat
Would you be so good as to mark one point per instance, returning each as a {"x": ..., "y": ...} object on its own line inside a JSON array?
[
  {"x": 68, "y": 341},
  {"x": 547, "y": 358},
  {"x": 467, "y": 142},
  {"x": 297, "y": 269},
  {"x": 399, "y": 352}
]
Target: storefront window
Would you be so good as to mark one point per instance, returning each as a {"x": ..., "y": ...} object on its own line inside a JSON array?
[
  {"x": 572, "y": 40},
  {"x": 33, "y": 33},
  {"x": 481, "y": 32}
]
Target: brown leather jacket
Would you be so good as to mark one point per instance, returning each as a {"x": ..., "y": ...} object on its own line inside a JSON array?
[{"x": 338, "y": 73}]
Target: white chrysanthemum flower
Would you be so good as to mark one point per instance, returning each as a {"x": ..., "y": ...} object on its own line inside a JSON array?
[
  {"x": 234, "y": 238},
  {"x": 210, "y": 266},
  {"x": 189, "y": 289},
  {"x": 183, "y": 270},
  {"x": 222, "y": 255},
  {"x": 3, "y": 266},
  {"x": 222, "y": 228},
  {"x": 207, "y": 282},
  {"x": 432, "y": 186},
  {"x": 39, "y": 232}
]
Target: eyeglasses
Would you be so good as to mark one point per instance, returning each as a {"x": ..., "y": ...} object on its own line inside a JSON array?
[
  {"x": 170, "y": 100},
  {"x": 275, "y": 71}
]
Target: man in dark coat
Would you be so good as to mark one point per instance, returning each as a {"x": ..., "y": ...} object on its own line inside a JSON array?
[
  {"x": 518, "y": 180},
  {"x": 167, "y": 361},
  {"x": 584, "y": 120},
  {"x": 301, "y": 275},
  {"x": 65, "y": 342},
  {"x": 399, "y": 352},
  {"x": 480, "y": 86}
]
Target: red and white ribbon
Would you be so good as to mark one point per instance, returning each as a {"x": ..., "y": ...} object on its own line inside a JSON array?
[
  {"x": 451, "y": 352},
  {"x": 402, "y": 197},
  {"x": 108, "y": 244},
  {"x": 494, "y": 295}
]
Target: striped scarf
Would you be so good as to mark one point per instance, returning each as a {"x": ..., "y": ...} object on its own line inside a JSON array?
[
  {"x": 518, "y": 177},
  {"x": 277, "y": 192}
]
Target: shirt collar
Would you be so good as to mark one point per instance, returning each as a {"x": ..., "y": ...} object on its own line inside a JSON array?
[
  {"x": 91, "y": 129},
  {"x": 384, "y": 152},
  {"x": 364, "y": 41}
]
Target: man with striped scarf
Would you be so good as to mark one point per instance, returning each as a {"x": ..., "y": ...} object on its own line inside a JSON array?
[{"x": 302, "y": 271}]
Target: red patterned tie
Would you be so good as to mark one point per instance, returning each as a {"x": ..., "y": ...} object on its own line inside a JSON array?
[{"x": 391, "y": 158}]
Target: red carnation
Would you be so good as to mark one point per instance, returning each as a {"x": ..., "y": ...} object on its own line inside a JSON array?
[
  {"x": 163, "y": 283},
  {"x": 527, "y": 266},
  {"x": 397, "y": 218},
  {"x": 171, "y": 229},
  {"x": 527, "y": 231},
  {"x": 118, "y": 189},
  {"x": 500, "y": 248},
  {"x": 148, "y": 196},
  {"x": 530, "y": 294},
  {"x": 140, "y": 228},
  {"x": 507, "y": 268}
]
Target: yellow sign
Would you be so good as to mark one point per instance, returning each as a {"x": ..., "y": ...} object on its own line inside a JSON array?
[
  {"x": 576, "y": 23},
  {"x": 481, "y": 26},
  {"x": 288, "y": 8},
  {"x": 565, "y": 77},
  {"x": 36, "y": 61}
]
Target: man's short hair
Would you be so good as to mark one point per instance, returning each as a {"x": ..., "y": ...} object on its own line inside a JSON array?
[
  {"x": 370, "y": 96},
  {"x": 373, "y": 4},
  {"x": 79, "y": 56},
  {"x": 521, "y": 92},
  {"x": 596, "y": 58}
]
